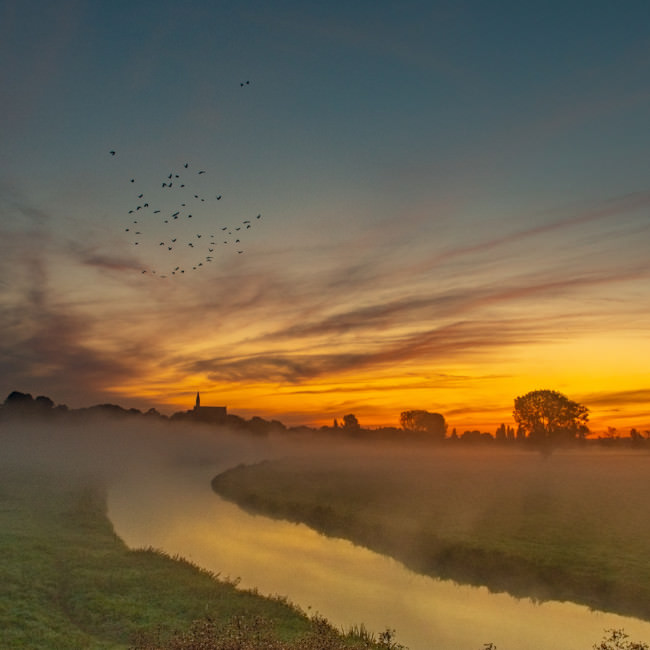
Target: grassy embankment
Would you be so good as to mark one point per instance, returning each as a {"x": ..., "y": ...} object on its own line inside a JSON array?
[
  {"x": 68, "y": 582},
  {"x": 574, "y": 526}
]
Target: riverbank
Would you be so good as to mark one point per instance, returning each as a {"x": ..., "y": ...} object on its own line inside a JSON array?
[
  {"x": 546, "y": 528},
  {"x": 69, "y": 582}
]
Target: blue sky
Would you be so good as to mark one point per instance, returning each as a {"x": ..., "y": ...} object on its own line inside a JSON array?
[{"x": 454, "y": 200}]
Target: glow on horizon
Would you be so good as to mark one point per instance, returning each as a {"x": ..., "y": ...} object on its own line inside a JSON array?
[{"x": 378, "y": 398}]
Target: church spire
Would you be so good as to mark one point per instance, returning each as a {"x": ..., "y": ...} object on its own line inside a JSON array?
[{"x": 198, "y": 401}]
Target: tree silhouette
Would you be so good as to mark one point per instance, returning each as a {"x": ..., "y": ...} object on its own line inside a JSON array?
[
  {"x": 351, "y": 423},
  {"x": 549, "y": 416},
  {"x": 417, "y": 420}
]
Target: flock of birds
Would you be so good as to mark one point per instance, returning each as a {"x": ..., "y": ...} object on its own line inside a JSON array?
[{"x": 176, "y": 222}]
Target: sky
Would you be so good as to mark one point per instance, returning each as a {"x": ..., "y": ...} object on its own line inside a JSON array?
[{"x": 453, "y": 201}]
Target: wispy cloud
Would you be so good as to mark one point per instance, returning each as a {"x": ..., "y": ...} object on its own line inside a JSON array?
[
  {"x": 614, "y": 207},
  {"x": 437, "y": 345},
  {"x": 459, "y": 303},
  {"x": 94, "y": 257},
  {"x": 617, "y": 398}
]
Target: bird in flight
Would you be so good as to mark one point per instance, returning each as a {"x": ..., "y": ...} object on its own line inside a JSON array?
[{"x": 112, "y": 153}]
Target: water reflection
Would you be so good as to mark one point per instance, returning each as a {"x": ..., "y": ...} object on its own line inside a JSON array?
[{"x": 176, "y": 511}]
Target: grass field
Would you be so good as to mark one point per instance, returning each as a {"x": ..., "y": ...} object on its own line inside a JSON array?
[
  {"x": 573, "y": 526},
  {"x": 67, "y": 582}
]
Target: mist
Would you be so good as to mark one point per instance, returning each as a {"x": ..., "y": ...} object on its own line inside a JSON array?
[
  {"x": 562, "y": 527},
  {"x": 418, "y": 520},
  {"x": 108, "y": 449}
]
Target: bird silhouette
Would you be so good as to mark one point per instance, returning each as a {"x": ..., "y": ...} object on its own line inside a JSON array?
[{"x": 112, "y": 153}]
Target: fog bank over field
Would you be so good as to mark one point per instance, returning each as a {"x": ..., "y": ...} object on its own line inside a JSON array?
[
  {"x": 108, "y": 449},
  {"x": 569, "y": 526}
]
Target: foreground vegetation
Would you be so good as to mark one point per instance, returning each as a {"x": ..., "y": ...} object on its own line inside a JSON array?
[
  {"x": 570, "y": 527},
  {"x": 69, "y": 582}
]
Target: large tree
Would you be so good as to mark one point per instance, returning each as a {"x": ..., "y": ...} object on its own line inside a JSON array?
[
  {"x": 432, "y": 423},
  {"x": 351, "y": 423},
  {"x": 549, "y": 416}
]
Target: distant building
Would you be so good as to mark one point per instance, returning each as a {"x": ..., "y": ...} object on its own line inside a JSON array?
[{"x": 216, "y": 414}]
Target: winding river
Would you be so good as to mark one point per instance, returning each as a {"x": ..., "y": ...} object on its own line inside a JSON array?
[{"x": 175, "y": 510}]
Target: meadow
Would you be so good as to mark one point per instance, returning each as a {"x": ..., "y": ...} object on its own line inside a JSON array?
[
  {"x": 68, "y": 582},
  {"x": 571, "y": 526}
]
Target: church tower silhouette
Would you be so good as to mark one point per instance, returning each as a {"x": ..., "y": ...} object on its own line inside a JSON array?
[{"x": 215, "y": 414}]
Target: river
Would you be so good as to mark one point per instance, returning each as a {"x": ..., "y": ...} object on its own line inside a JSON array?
[{"x": 175, "y": 510}]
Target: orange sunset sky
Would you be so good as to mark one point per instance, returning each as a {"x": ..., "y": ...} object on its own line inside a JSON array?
[{"x": 453, "y": 201}]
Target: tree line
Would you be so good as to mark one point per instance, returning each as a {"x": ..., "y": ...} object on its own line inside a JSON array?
[{"x": 544, "y": 417}]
